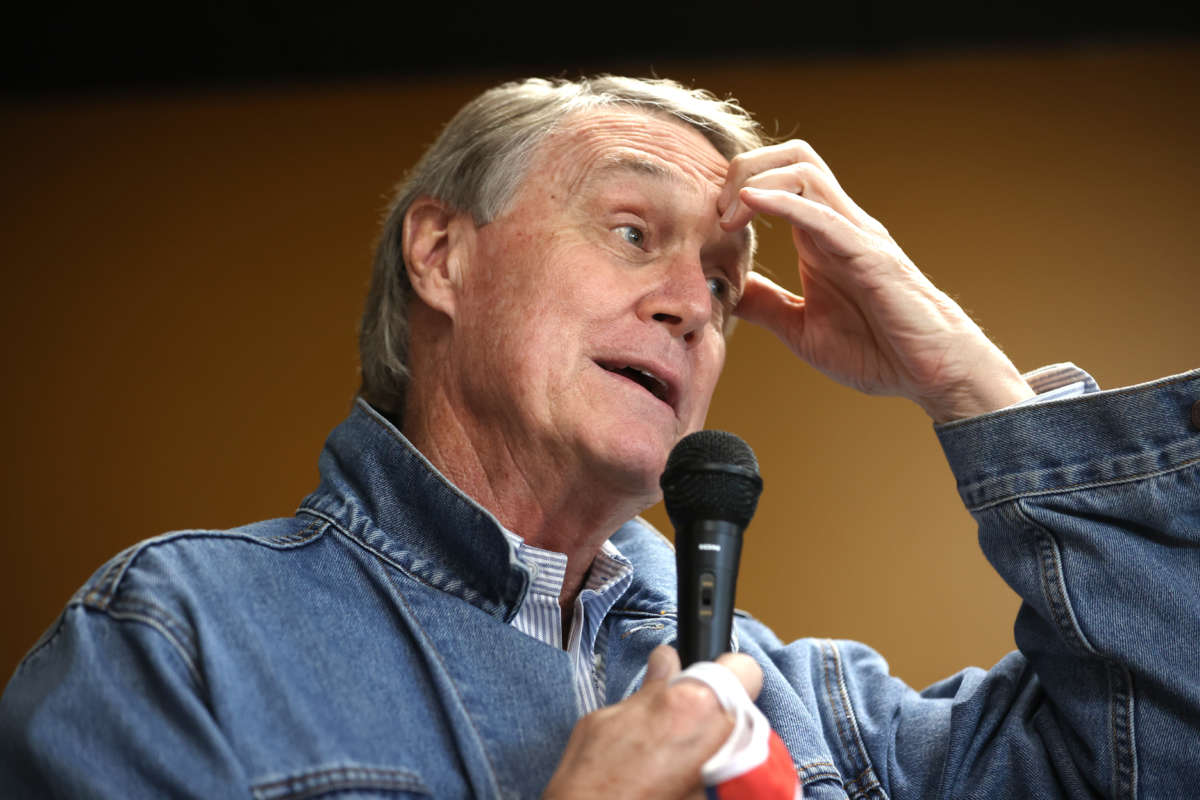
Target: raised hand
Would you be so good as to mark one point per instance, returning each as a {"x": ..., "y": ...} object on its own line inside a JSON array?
[{"x": 868, "y": 318}]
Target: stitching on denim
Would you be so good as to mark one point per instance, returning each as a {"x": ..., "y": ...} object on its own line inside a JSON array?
[
  {"x": 865, "y": 778},
  {"x": 1122, "y": 731},
  {"x": 1120, "y": 700},
  {"x": 871, "y": 787},
  {"x": 815, "y": 771},
  {"x": 864, "y": 781},
  {"x": 458, "y": 588},
  {"x": 106, "y": 587},
  {"x": 1008, "y": 498},
  {"x": 827, "y": 664},
  {"x": 162, "y": 622},
  {"x": 645, "y": 626},
  {"x": 1158, "y": 384},
  {"x": 1054, "y": 591},
  {"x": 665, "y": 613},
  {"x": 104, "y": 590},
  {"x": 304, "y": 535},
  {"x": 428, "y": 649},
  {"x": 357, "y": 542},
  {"x": 137, "y": 605},
  {"x": 334, "y": 779}
]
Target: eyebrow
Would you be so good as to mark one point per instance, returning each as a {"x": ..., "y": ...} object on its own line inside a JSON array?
[
  {"x": 640, "y": 166},
  {"x": 620, "y": 162}
]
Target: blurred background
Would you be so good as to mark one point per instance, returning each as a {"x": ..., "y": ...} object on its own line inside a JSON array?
[{"x": 191, "y": 198}]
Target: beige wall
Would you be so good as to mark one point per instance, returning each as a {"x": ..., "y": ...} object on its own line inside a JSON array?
[{"x": 183, "y": 276}]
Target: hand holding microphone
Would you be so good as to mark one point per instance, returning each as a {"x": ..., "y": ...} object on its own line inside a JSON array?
[
  {"x": 711, "y": 487},
  {"x": 673, "y": 736}
]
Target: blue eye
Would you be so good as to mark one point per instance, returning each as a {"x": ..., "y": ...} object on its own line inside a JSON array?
[
  {"x": 635, "y": 236},
  {"x": 719, "y": 287}
]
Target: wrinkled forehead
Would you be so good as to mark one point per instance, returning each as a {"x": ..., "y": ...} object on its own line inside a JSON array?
[
  {"x": 586, "y": 148},
  {"x": 589, "y": 143}
]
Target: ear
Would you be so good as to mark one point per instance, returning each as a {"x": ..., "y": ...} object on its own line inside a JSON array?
[{"x": 434, "y": 248}]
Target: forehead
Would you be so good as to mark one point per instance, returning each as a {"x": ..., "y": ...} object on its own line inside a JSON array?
[{"x": 593, "y": 144}]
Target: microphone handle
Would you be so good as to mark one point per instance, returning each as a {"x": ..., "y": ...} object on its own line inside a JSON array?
[{"x": 706, "y": 559}]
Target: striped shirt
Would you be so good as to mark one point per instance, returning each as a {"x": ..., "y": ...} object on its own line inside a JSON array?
[
  {"x": 1058, "y": 381},
  {"x": 541, "y": 617},
  {"x": 611, "y": 573}
]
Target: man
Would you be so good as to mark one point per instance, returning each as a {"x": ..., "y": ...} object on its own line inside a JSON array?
[{"x": 468, "y": 605}]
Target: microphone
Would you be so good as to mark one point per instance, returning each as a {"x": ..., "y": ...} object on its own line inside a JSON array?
[{"x": 710, "y": 487}]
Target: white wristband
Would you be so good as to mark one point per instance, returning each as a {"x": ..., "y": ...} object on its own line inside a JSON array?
[{"x": 746, "y": 747}]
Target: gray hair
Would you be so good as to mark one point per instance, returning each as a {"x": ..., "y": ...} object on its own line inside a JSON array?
[{"x": 476, "y": 165}]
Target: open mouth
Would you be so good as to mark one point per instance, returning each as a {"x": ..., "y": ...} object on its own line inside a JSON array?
[{"x": 647, "y": 380}]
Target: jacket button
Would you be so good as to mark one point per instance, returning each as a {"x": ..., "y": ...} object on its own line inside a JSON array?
[{"x": 1196, "y": 415}]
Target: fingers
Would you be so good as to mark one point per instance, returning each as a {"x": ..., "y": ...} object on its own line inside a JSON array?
[
  {"x": 828, "y": 229},
  {"x": 662, "y": 666},
  {"x": 652, "y": 744},
  {"x": 747, "y": 671},
  {"x": 768, "y": 304},
  {"x": 767, "y": 158},
  {"x": 793, "y": 167},
  {"x": 804, "y": 179}
]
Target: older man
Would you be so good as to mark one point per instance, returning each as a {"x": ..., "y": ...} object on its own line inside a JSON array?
[{"x": 468, "y": 605}]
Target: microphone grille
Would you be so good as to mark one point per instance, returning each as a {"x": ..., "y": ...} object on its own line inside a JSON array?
[{"x": 711, "y": 475}]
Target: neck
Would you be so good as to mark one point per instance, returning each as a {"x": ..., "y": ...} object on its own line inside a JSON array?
[{"x": 552, "y": 500}]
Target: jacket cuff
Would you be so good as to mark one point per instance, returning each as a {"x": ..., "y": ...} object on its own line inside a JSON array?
[{"x": 1089, "y": 440}]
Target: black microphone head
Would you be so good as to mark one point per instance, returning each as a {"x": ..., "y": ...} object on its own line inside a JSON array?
[{"x": 711, "y": 475}]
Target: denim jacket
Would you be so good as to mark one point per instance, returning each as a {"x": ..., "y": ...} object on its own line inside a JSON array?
[{"x": 361, "y": 648}]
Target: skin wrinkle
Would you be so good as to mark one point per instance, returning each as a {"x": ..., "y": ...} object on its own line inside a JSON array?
[
  {"x": 732, "y": 252},
  {"x": 674, "y": 152},
  {"x": 454, "y": 454},
  {"x": 634, "y": 163},
  {"x": 562, "y": 450}
]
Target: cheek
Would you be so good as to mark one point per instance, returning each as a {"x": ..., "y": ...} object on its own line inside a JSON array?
[{"x": 707, "y": 372}]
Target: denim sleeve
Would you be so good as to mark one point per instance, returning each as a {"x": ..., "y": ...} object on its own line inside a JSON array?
[
  {"x": 108, "y": 704},
  {"x": 1090, "y": 509}
]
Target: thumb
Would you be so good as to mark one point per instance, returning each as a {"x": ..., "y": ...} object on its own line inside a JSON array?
[
  {"x": 768, "y": 304},
  {"x": 663, "y": 664}
]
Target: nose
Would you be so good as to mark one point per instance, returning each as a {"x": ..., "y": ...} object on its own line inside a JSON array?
[{"x": 680, "y": 300}]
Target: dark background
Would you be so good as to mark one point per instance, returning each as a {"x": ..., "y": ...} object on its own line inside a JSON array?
[{"x": 78, "y": 46}]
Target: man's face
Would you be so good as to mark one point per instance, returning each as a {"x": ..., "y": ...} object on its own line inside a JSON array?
[{"x": 593, "y": 309}]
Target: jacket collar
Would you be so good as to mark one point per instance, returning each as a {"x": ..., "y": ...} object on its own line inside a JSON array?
[{"x": 378, "y": 488}]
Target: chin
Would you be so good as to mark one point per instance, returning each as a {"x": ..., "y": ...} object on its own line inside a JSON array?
[{"x": 634, "y": 458}]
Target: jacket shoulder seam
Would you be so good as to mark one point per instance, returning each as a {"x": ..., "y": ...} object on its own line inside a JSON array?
[
  {"x": 138, "y": 611},
  {"x": 100, "y": 592},
  {"x": 176, "y": 634}
]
